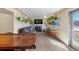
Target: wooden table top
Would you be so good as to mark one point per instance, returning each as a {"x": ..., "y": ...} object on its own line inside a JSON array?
[
  {"x": 16, "y": 33},
  {"x": 7, "y": 41},
  {"x": 19, "y": 47}
]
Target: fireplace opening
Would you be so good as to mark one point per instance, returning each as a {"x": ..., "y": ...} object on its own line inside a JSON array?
[
  {"x": 38, "y": 21},
  {"x": 38, "y": 25}
]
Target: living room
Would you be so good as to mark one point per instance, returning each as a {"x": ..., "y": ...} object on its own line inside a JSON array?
[{"x": 36, "y": 23}]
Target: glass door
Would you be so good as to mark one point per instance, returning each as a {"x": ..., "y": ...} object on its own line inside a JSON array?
[{"x": 74, "y": 17}]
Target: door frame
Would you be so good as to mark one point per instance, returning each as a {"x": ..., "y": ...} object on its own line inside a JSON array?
[{"x": 70, "y": 29}]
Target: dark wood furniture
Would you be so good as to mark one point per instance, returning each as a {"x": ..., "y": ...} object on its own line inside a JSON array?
[{"x": 17, "y": 41}]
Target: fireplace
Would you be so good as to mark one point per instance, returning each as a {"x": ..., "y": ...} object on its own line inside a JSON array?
[
  {"x": 38, "y": 25},
  {"x": 38, "y": 21},
  {"x": 38, "y": 28}
]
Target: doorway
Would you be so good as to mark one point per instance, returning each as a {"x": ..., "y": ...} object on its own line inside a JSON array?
[{"x": 74, "y": 29}]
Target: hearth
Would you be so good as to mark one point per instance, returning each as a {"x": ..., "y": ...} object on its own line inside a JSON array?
[
  {"x": 38, "y": 28},
  {"x": 38, "y": 25}
]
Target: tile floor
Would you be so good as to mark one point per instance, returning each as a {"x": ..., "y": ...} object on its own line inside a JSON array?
[{"x": 46, "y": 43}]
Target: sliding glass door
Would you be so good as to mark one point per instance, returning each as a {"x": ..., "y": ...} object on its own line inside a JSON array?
[{"x": 74, "y": 22}]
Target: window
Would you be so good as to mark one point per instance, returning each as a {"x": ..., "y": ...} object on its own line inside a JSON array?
[{"x": 75, "y": 17}]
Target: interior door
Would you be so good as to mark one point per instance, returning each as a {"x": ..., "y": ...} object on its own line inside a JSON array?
[{"x": 74, "y": 17}]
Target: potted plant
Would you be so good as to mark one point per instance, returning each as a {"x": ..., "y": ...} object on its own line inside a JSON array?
[
  {"x": 30, "y": 20},
  {"x": 24, "y": 20},
  {"x": 51, "y": 22}
]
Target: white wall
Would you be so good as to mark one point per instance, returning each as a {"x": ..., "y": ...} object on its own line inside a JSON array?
[
  {"x": 17, "y": 24},
  {"x": 6, "y": 22},
  {"x": 64, "y": 32},
  {"x": 44, "y": 26}
]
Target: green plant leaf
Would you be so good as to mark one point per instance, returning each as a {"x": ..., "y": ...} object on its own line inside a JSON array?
[
  {"x": 18, "y": 18},
  {"x": 22, "y": 19}
]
